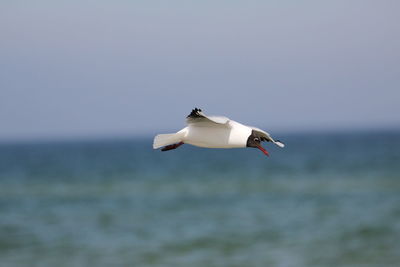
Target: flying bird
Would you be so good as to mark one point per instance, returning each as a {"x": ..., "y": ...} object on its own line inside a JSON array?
[{"x": 214, "y": 132}]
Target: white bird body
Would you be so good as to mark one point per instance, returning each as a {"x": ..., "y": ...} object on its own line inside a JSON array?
[
  {"x": 233, "y": 135},
  {"x": 214, "y": 132}
]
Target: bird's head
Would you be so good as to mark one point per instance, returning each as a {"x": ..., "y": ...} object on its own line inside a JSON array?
[{"x": 254, "y": 140}]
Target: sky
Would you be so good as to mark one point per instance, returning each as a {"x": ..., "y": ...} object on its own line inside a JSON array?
[{"x": 71, "y": 69}]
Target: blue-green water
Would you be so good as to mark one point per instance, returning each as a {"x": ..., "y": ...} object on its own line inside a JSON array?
[{"x": 324, "y": 200}]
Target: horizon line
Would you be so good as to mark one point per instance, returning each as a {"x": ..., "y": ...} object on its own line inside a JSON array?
[{"x": 150, "y": 134}]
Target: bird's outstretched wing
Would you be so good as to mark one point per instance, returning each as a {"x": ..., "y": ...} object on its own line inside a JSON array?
[
  {"x": 264, "y": 136},
  {"x": 198, "y": 118}
]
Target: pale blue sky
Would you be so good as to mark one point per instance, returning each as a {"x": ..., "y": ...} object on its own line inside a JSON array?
[{"x": 103, "y": 68}]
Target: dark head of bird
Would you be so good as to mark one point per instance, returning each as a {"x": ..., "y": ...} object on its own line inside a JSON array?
[{"x": 254, "y": 140}]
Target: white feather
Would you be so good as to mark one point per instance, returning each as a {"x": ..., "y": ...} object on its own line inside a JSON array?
[
  {"x": 279, "y": 144},
  {"x": 169, "y": 139},
  {"x": 217, "y": 136},
  {"x": 164, "y": 140}
]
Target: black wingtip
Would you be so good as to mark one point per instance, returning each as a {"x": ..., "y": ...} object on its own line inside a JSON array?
[{"x": 194, "y": 113}]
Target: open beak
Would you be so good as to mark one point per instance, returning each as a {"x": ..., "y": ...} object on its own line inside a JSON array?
[{"x": 263, "y": 150}]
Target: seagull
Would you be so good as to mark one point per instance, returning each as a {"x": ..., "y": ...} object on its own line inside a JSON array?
[{"x": 214, "y": 132}]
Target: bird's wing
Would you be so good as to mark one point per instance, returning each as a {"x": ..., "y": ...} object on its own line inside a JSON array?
[
  {"x": 264, "y": 136},
  {"x": 198, "y": 118}
]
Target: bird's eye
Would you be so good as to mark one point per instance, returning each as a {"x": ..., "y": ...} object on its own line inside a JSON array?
[{"x": 256, "y": 139}]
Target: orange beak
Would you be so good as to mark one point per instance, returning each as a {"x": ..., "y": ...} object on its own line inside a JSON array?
[{"x": 263, "y": 150}]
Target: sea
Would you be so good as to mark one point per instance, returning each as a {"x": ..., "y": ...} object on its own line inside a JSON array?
[{"x": 326, "y": 199}]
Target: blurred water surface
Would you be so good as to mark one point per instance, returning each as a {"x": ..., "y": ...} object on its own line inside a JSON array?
[{"x": 324, "y": 200}]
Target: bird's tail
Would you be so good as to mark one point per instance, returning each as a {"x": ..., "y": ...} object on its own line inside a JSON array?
[{"x": 166, "y": 139}]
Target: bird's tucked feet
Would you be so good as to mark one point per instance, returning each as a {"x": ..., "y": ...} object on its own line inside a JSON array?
[{"x": 173, "y": 146}]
